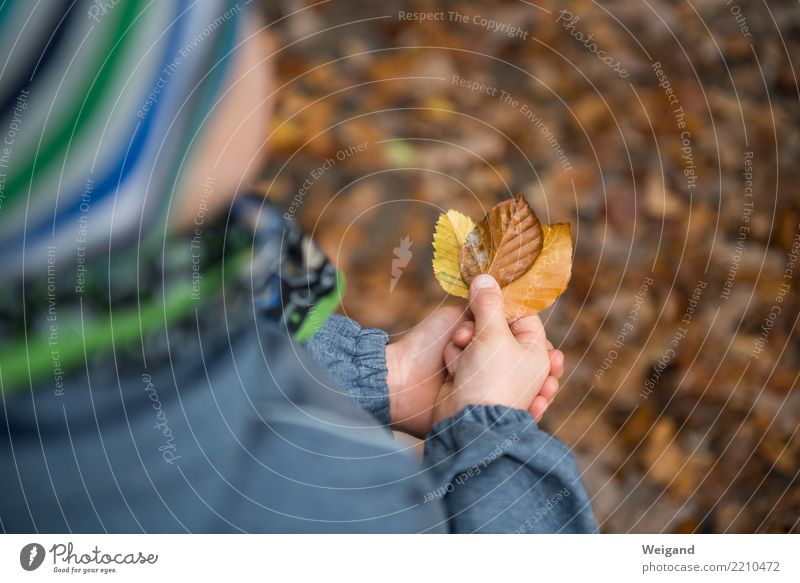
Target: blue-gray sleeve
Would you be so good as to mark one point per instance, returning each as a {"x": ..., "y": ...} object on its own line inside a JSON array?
[
  {"x": 496, "y": 471},
  {"x": 356, "y": 358},
  {"x": 493, "y": 468}
]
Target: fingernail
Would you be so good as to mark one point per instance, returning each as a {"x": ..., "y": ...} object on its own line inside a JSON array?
[{"x": 484, "y": 281}]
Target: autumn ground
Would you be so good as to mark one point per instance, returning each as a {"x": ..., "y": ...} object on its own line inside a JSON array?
[{"x": 673, "y": 154}]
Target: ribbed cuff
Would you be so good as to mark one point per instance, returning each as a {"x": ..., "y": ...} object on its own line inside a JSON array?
[
  {"x": 487, "y": 415},
  {"x": 356, "y": 358},
  {"x": 476, "y": 436},
  {"x": 497, "y": 472}
]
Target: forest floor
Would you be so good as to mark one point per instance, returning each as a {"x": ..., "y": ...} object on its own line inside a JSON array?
[{"x": 674, "y": 155}]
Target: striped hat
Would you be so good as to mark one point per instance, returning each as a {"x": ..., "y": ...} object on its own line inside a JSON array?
[{"x": 99, "y": 104}]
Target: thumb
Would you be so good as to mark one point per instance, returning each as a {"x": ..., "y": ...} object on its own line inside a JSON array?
[{"x": 486, "y": 304}]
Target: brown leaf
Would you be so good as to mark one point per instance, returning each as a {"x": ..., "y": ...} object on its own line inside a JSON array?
[{"x": 505, "y": 244}]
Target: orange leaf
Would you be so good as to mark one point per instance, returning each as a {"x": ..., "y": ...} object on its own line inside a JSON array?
[{"x": 539, "y": 287}]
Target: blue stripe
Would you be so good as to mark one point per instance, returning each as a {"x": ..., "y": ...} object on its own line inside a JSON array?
[{"x": 126, "y": 163}]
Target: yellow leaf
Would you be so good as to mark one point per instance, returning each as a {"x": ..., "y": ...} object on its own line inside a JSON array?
[
  {"x": 539, "y": 287},
  {"x": 452, "y": 229}
]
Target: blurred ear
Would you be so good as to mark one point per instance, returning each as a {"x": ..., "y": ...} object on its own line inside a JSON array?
[{"x": 232, "y": 143}]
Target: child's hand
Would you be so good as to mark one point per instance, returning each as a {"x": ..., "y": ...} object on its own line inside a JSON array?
[
  {"x": 417, "y": 370},
  {"x": 463, "y": 336},
  {"x": 502, "y": 365}
]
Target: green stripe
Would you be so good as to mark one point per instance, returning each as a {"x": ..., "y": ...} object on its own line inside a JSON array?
[
  {"x": 104, "y": 138},
  {"x": 74, "y": 124},
  {"x": 25, "y": 364}
]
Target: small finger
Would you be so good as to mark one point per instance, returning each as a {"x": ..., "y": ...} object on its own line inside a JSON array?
[
  {"x": 464, "y": 333},
  {"x": 451, "y": 354},
  {"x": 538, "y": 407},
  {"x": 556, "y": 363},
  {"x": 549, "y": 388}
]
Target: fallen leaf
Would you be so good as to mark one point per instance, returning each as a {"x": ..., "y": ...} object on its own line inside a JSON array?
[
  {"x": 497, "y": 246},
  {"x": 452, "y": 229},
  {"x": 539, "y": 287},
  {"x": 505, "y": 243}
]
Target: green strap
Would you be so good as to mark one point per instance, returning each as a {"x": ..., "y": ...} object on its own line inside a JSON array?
[
  {"x": 321, "y": 311},
  {"x": 26, "y": 363}
]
